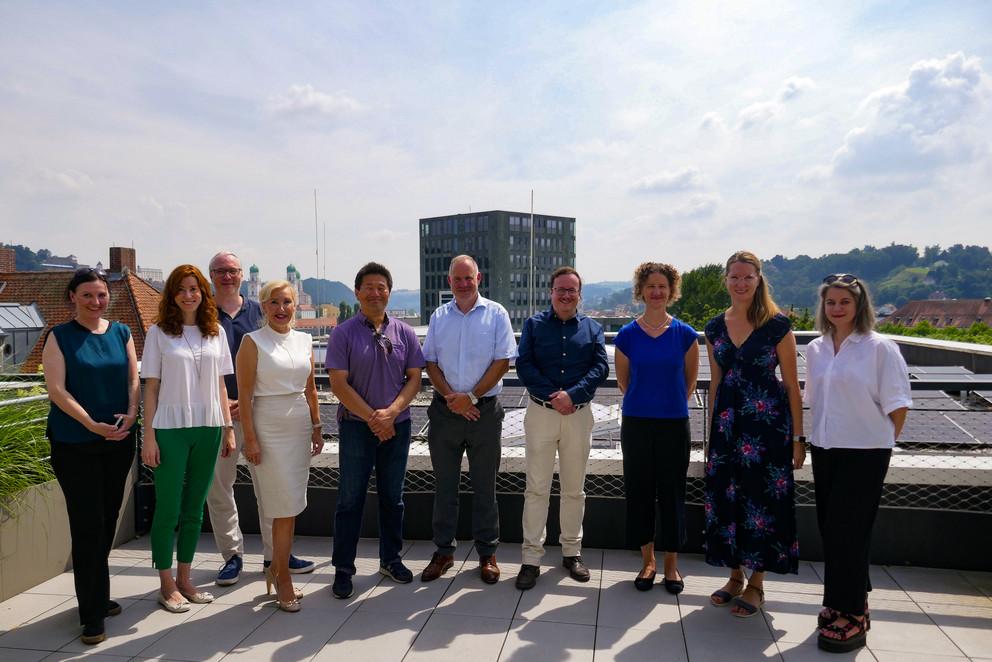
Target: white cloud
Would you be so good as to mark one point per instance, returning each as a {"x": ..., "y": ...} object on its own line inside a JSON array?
[
  {"x": 45, "y": 182},
  {"x": 671, "y": 181},
  {"x": 698, "y": 206},
  {"x": 794, "y": 87},
  {"x": 713, "y": 122},
  {"x": 305, "y": 100},
  {"x": 937, "y": 116},
  {"x": 761, "y": 113}
]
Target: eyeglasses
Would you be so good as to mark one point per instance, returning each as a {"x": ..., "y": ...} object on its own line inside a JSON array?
[
  {"x": 380, "y": 338},
  {"x": 846, "y": 279},
  {"x": 747, "y": 279},
  {"x": 226, "y": 272},
  {"x": 565, "y": 291}
]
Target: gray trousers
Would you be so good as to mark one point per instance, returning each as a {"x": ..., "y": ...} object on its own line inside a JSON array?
[{"x": 449, "y": 437}]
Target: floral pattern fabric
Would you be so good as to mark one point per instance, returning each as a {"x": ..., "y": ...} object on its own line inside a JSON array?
[{"x": 749, "y": 501}]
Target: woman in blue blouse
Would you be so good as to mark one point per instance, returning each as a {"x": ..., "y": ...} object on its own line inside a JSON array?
[
  {"x": 91, "y": 372},
  {"x": 657, "y": 360}
]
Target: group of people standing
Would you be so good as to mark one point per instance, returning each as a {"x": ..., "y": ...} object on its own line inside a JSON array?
[{"x": 225, "y": 376}]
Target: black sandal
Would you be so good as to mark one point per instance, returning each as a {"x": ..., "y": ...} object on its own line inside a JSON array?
[
  {"x": 828, "y": 615},
  {"x": 726, "y": 597},
  {"x": 853, "y": 635}
]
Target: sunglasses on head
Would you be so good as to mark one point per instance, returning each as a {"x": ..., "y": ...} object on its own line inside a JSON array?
[{"x": 846, "y": 279}]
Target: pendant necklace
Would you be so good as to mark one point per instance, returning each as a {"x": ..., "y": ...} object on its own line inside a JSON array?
[{"x": 197, "y": 362}]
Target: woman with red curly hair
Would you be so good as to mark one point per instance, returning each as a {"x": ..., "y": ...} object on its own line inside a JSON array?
[{"x": 184, "y": 363}]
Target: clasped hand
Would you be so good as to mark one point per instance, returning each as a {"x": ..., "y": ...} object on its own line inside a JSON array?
[
  {"x": 381, "y": 424},
  {"x": 461, "y": 404},
  {"x": 562, "y": 403}
]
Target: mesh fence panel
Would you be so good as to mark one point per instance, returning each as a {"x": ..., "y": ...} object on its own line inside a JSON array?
[{"x": 943, "y": 460}]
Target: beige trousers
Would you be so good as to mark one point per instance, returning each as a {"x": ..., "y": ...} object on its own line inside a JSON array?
[
  {"x": 223, "y": 510},
  {"x": 549, "y": 433}
]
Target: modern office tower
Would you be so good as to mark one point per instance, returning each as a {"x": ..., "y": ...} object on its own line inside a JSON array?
[{"x": 500, "y": 242}]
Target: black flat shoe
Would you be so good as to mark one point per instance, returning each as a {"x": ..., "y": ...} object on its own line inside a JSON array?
[
  {"x": 674, "y": 586},
  {"x": 645, "y": 583}
]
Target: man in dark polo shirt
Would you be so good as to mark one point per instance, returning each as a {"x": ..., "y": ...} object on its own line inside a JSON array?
[
  {"x": 238, "y": 315},
  {"x": 374, "y": 364},
  {"x": 562, "y": 361}
]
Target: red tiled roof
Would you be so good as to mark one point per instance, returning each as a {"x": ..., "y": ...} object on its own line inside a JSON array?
[
  {"x": 132, "y": 301},
  {"x": 960, "y": 313},
  {"x": 316, "y": 323}
]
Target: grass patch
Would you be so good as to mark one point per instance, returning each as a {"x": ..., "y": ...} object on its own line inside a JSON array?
[{"x": 24, "y": 450}]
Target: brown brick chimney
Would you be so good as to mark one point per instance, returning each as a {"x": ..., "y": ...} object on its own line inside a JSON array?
[
  {"x": 121, "y": 257},
  {"x": 8, "y": 260}
]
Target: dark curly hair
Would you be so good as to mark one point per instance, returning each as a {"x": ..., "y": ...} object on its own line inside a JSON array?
[
  {"x": 170, "y": 317},
  {"x": 671, "y": 274}
]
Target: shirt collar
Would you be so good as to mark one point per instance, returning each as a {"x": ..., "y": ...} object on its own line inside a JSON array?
[
  {"x": 480, "y": 302},
  {"x": 243, "y": 308},
  {"x": 365, "y": 320},
  {"x": 575, "y": 319}
]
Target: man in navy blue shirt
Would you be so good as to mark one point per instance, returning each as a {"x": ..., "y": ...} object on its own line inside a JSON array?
[
  {"x": 238, "y": 315},
  {"x": 562, "y": 360}
]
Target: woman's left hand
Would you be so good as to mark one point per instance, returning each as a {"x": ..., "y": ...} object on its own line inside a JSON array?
[
  {"x": 228, "y": 442},
  {"x": 316, "y": 442},
  {"x": 798, "y": 455}
]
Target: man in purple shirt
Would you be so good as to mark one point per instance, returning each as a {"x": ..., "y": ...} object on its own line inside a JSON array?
[{"x": 374, "y": 364}]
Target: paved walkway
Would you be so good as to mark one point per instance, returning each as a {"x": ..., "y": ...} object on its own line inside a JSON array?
[{"x": 917, "y": 614}]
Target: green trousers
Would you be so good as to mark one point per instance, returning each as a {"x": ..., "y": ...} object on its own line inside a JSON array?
[{"x": 182, "y": 479}]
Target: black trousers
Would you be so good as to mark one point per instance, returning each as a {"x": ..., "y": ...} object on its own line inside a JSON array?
[
  {"x": 449, "y": 437},
  {"x": 655, "y": 461},
  {"x": 848, "y": 485},
  {"x": 92, "y": 477}
]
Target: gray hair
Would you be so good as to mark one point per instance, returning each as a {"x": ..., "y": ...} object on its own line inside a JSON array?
[
  {"x": 221, "y": 254},
  {"x": 463, "y": 258}
]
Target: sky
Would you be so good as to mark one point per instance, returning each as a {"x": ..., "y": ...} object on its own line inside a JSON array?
[{"x": 676, "y": 132}]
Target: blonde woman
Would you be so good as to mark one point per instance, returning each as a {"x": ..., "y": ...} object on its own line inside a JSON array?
[
  {"x": 755, "y": 439},
  {"x": 858, "y": 391},
  {"x": 281, "y": 423}
]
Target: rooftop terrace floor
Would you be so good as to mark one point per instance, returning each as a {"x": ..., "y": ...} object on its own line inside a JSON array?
[{"x": 917, "y": 614}]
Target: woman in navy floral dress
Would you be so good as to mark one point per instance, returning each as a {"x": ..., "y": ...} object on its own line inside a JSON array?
[{"x": 749, "y": 504}]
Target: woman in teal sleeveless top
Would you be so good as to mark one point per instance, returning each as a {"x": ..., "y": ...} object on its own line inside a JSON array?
[{"x": 91, "y": 371}]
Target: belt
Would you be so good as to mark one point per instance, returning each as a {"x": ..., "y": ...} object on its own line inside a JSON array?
[{"x": 548, "y": 405}]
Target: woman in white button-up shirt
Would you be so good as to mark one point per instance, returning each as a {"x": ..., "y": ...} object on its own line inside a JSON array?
[{"x": 857, "y": 388}]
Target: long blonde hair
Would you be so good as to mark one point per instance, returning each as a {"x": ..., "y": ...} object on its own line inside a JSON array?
[{"x": 762, "y": 307}]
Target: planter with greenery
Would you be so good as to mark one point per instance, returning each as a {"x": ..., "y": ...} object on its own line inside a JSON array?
[{"x": 34, "y": 528}]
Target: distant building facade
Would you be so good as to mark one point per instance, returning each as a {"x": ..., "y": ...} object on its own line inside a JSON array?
[
  {"x": 943, "y": 313},
  {"x": 254, "y": 283},
  {"x": 294, "y": 278},
  {"x": 500, "y": 242}
]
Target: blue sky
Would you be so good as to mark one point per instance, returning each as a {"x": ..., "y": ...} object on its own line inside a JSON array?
[{"x": 678, "y": 132}]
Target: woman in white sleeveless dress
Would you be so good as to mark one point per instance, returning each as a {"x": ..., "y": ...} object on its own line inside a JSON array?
[{"x": 281, "y": 423}]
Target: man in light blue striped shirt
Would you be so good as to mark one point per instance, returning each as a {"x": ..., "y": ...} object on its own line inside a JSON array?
[{"x": 468, "y": 349}]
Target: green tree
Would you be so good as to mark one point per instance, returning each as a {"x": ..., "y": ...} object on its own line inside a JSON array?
[{"x": 704, "y": 295}]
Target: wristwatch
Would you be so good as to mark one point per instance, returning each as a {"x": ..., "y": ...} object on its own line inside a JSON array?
[
  {"x": 798, "y": 438},
  {"x": 474, "y": 400}
]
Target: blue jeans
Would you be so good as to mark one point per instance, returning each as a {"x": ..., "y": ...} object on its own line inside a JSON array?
[{"x": 359, "y": 451}]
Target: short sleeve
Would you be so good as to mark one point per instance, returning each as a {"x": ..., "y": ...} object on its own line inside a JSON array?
[
  {"x": 124, "y": 331},
  {"x": 226, "y": 364},
  {"x": 430, "y": 353},
  {"x": 689, "y": 336},
  {"x": 777, "y": 328},
  {"x": 151, "y": 357},
  {"x": 415, "y": 357},
  {"x": 506, "y": 344},
  {"x": 622, "y": 340},
  {"x": 893, "y": 378},
  {"x": 712, "y": 329},
  {"x": 337, "y": 350}
]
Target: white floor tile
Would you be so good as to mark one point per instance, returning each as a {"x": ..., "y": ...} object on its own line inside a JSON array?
[
  {"x": 372, "y": 637},
  {"x": 289, "y": 637},
  {"x": 938, "y": 586},
  {"x": 621, "y": 605},
  {"x": 49, "y": 631},
  {"x": 137, "y": 627},
  {"x": 714, "y": 648},
  {"x": 539, "y": 641},
  {"x": 22, "y": 655},
  {"x": 211, "y": 633},
  {"x": 622, "y": 644},
  {"x": 793, "y": 652},
  {"x": 458, "y": 638},
  {"x": 27, "y": 607},
  {"x": 902, "y": 627},
  {"x": 970, "y": 628}
]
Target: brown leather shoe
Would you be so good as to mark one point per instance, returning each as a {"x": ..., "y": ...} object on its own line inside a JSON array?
[
  {"x": 488, "y": 569},
  {"x": 438, "y": 566}
]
